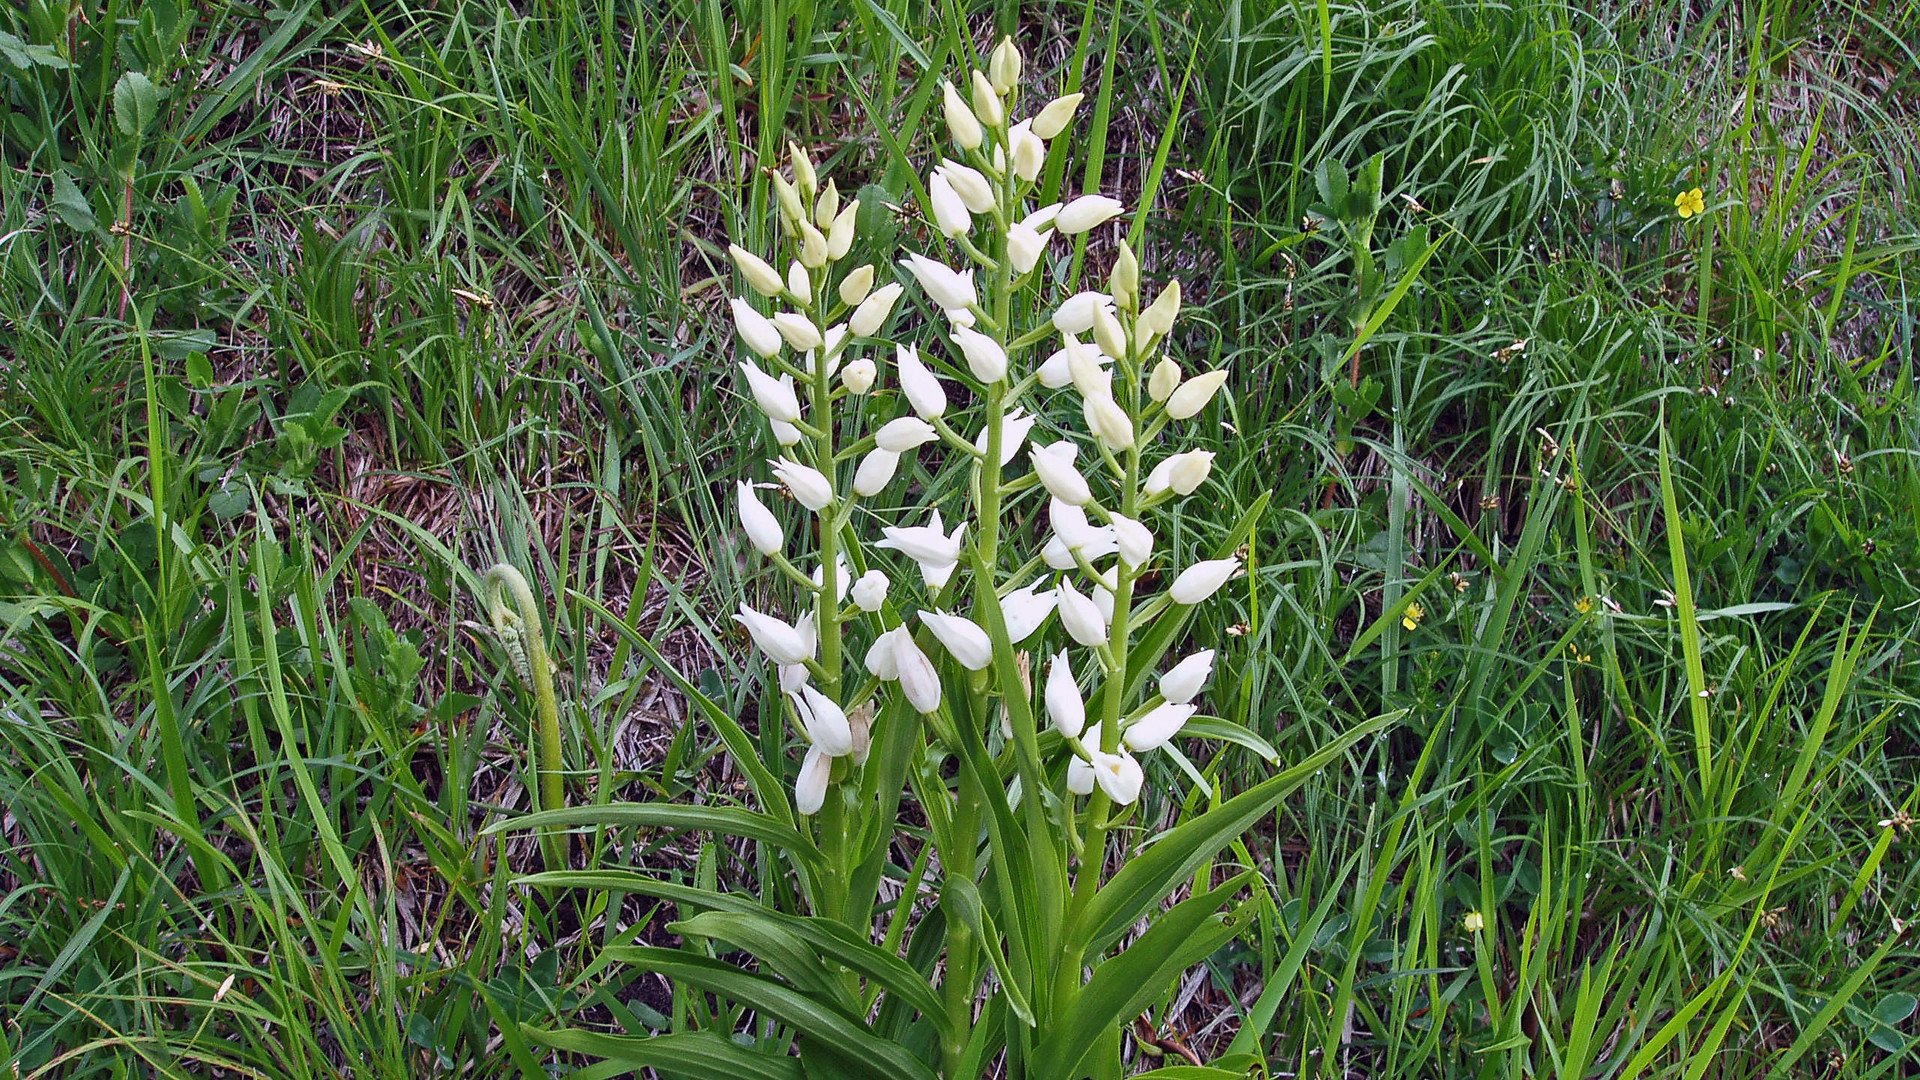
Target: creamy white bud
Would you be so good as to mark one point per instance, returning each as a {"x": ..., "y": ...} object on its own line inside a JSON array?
[
  {"x": 1201, "y": 580},
  {"x": 1080, "y": 616},
  {"x": 961, "y": 123},
  {"x": 856, "y": 285},
  {"x": 1158, "y": 727},
  {"x": 784, "y": 433},
  {"x": 969, "y": 184},
  {"x": 1024, "y": 248},
  {"x": 871, "y": 590},
  {"x": 875, "y": 472},
  {"x": 840, "y": 234},
  {"x": 881, "y": 660},
  {"x": 965, "y": 641},
  {"x": 1014, "y": 428},
  {"x": 1159, "y": 316},
  {"x": 804, "y": 177},
  {"x": 793, "y": 677},
  {"x": 1164, "y": 380},
  {"x": 806, "y": 482},
  {"x": 1184, "y": 679},
  {"x": 1029, "y": 151},
  {"x": 1133, "y": 540},
  {"x": 949, "y": 289},
  {"x": 774, "y": 397},
  {"x": 810, "y": 787},
  {"x": 985, "y": 358},
  {"x": 1066, "y": 709},
  {"x": 859, "y": 375},
  {"x": 950, "y": 215},
  {"x": 755, "y": 329},
  {"x": 1194, "y": 394},
  {"x": 798, "y": 330},
  {"x": 1054, "y": 119},
  {"x": 798, "y": 284},
  {"x": 762, "y": 528},
  {"x": 813, "y": 246},
  {"x": 986, "y": 101},
  {"x": 782, "y": 643},
  {"x": 1124, "y": 282},
  {"x": 1107, "y": 332},
  {"x": 921, "y": 386},
  {"x": 1119, "y": 776},
  {"x": 904, "y": 434},
  {"x": 791, "y": 210},
  {"x": 918, "y": 679},
  {"x": 1190, "y": 471},
  {"x": 1042, "y": 219},
  {"x": 1054, "y": 466},
  {"x": 763, "y": 278},
  {"x": 959, "y": 319},
  {"x": 1023, "y": 610},
  {"x": 926, "y": 544},
  {"x": 1055, "y": 372},
  {"x": 830, "y": 731},
  {"x": 872, "y": 313},
  {"x": 1003, "y": 67},
  {"x": 1108, "y": 421},
  {"x": 1079, "y": 776},
  {"x": 1086, "y": 212},
  {"x": 827, "y": 205},
  {"x": 1075, "y": 314}
]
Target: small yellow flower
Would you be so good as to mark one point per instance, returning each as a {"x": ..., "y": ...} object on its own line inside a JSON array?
[
  {"x": 1411, "y": 619},
  {"x": 1583, "y": 605},
  {"x": 1473, "y": 923},
  {"x": 1689, "y": 203}
]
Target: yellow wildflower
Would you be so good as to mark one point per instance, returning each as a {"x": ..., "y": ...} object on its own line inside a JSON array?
[
  {"x": 1411, "y": 619},
  {"x": 1473, "y": 923},
  {"x": 1689, "y": 203}
]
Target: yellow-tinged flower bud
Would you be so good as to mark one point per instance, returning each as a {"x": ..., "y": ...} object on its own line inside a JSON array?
[
  {"x": 858, "y": 376},
  {"x": 970, "y": 185},
  {"x": 1054, "y": 119},
  {"x": 950, "y": 213},
  {"x": 961, "y": 123},
  {"x": 761, "y": 276},
  {"x": 827, "y": 206},
  {"x": 791, "y": 208},
  {"x": 1108, "y": 421},
  {"x": 1159, "y": 316},
  {"x": 840, "y": 233},
  {"x": 803, "y": 175},
  {"x": 873, "y": 311},
  {"x": 1164, "y": 380},
  {"x": 856, "y": 285},
  {"x": 986, "y": 101},
  {"x": 1107, "y": 332},
  {"x": 1029, "y": 151},
  {"x": 1003, "y": 67},
  {"x": 813, "y": 246},
  {"x": 1124, "y": 283},
  {"x": 798, "y": 284},
  {"x": 1194, "y": 394}
]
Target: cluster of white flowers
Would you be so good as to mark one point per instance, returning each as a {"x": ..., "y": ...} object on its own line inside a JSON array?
[{"x": 830, "y": 315}]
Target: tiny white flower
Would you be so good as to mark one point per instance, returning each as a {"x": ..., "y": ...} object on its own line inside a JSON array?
[
  {"x": 1119, "y": 776},
  {"x": 921, "y": 385},
  {"x": 926, "y": 544},
  {"x": 1054, "y": 119},
  {"x": 871, "y": 315},
  {"x": 798, "y": 330},
  {"x": 870, "y": 592},
  {"x": 1054, "y": 466},
  {"x": 1158, "y": 727},
  {"x": 1164, "y": 380},
  {"x": 1075, "y": 313},
  {"x": 985, "y": 358},
  {"x": 761, "y": 276},
  {"x": 1190, "y": 471},
  {"x": 918, "y": 679},
  {"x": 858, "y": 376},
  {"x": 1080, "y": 616},
  {"x": 973, "y": 188},
  {"x": 1086, "y": 211},
  {"x": 1024, "y": 247},
  {"x": 774, "y": 397},
  {"x": 1124, "y": 282},
  {"x": 762, "y": 528},
  {"x": 904, "y": 434},
  {"x": 1184, "y": 679},
  {"x": 1133, "y": 540},
  {"x": 812, "y": 489},
  {"x": 810, "y": 788},
  {"x": 1201, "y": 580},
  {"x": 1065, "y": 707},
  {"x": 1193, "y": 395},
  {"x": 964, "y": 639},
  {"x": 961, "y": 123},
  {"x": 781, "y": 642},
  {"x": 1023, "y": 610},
  {"x": 949, "y": 289},
  {"x": 875, "y": 472},
  {"x": 949, "y": 212},
  {"x": 826, "y": 724},
  {"x": 755, "y": 329}
]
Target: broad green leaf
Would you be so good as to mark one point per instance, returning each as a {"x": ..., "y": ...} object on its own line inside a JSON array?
[
  {"x": 1212, "y": 727},
  {"x": 728, "y": 820},
  {"x": 778, "y": 950},
  {"x": 1148, "y": 878},
  {"x": 704, "y": 1055},
  {"x": 1247, "y": 1066},
  {"x": 135, "y": 101},
  {"x": 842, "y": 1034},
  {"x": 71, "y": 206}
]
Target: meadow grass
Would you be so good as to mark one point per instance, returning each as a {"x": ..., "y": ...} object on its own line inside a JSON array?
[{"x": 349, "y": 302}]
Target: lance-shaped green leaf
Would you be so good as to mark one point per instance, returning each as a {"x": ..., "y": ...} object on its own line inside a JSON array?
[
  {"x": 1212, "y": 727},
  {"x": 962, "y": 900},
  {"x": 728, "y": 820},
  {"x": 704, "y": 1055},
  {"x": 1147, "y": 879},
  {"x": 838, "y": 1032}
]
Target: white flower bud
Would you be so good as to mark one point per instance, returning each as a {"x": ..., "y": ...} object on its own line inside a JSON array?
[
  {"x": 918, "y": 679},
  {"x": 798, "y": 330},
  {"x": 763, "y": 278},
  {"x": 1124, "y": 282},
  {"x": 797, "y": 283},
  {"x": 965, "y": 641},
  {"x": 813, "y": 246},
  {"x": 1158, "y": 727},
  {"x": 1029, "y": 152},
  {"x": 1065, "y": 707},
  {"x": 1107, "y": 332},
  {"x": 1086, "y": 212},
  {"x": 1159, "y": 316},
  {"x": 1079, "y": 776},
  {"x": 791, "y": 210},
  {"x": 1014, "y": 428},
  {"x": 949, "y": 213},
  {"x": 859, "y": 375},
  {"x": 1003, "y": 67},
  {"x": 1182, "y": 473},
  {"x": 1042, "y": 219},
  {"x": 804, "y": 177},
  {"x": 921, "y": 386},
  {"x": 1184, "y": 679},
  {"x": 793, "y": 677},
  {"x": 1055, "y": 372},
  {"x": 827, "y": 205},
  {"x": 926, "y": 544},
  {"x": 949, "y": 289},
  {"x": 1023, "y": 610},
  {"x": 782, "y": 644},
  {"x": 829, "y": 730},
  {"x": 1164, "y": 380},
  {"x": 1119, "y": 776},
  {"x": 986, "y": 101},
  {"x": 973, "y": 188},
  {"x": 855, "y": 287},
  {"x": 1054, "y": 466},
  {"x": 1201, "y": 580},
  {"x": 961, "y": 123},
  {"x": 985, "y": 358},
  {"x": 1194, "y": 394},
  {"x": 1054, "y": 119},
  {"x": 872, "y": 313},
  {"x": 1108, "y": 421},
  {"x": 806, "y": 482},
  {"x": 842, "y": 577},
  {"x": 875, "y": 472},
  {"x": 1075, "y": 314},
  {"x": 1080, "y": 616},
  {"x": 871, "y": 590},
  {"x": 882, "y": 660},
  {"x": 775, "y": 397},
  {"x": 755, "y": 329},
  {"x": 1133, "y": 540},
  {"x": 810, "y": 787},
  {"x": 1024, "y": 248},
  {"x": 840, "y": 234},
  {"x": 904, "y": 434},
  {"x": 784, "y": 433},
  {"x": 762, "y": 528}
]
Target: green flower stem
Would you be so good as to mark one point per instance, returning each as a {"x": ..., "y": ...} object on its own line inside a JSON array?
[{"x": 520, "y": 629}]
